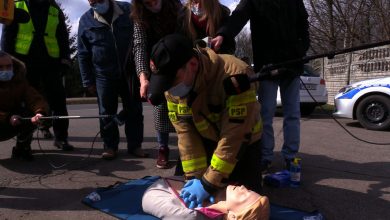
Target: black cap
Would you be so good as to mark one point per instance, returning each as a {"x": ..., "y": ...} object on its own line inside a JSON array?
[{"x": 168, "y": 55}]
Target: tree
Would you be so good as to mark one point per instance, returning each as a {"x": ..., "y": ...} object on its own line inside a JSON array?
[
  {"x": 244, "y": 46},
  {"x": 73, "y": 86}
]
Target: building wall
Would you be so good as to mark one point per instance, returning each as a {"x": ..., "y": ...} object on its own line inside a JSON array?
[{"x": 348, "y": 68}]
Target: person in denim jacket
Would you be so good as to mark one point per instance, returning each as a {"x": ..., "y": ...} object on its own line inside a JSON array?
[{"x": 105, "y": 39}]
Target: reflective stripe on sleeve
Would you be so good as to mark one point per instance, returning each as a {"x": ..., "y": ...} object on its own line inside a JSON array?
[
  {"x": 241, "y": 99},
  {"x": 221, "y": 165},
  {"x": 194, "y": 164}
]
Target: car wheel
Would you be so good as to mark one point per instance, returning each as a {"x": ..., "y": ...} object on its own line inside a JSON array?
[
  {"x": 373, "y": 112},
  {"x": 307, "y": 109}
]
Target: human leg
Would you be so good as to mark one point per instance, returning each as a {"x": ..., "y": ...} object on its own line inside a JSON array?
[
  {"x": 107, "y": 94},
  {"x": 134, "y": 122},
  {"x": 56, "y": 98},
  {"x": 267, "y": 96},
  {"x": 163, "y": 151},
  {"x": 289, "y": 91}
]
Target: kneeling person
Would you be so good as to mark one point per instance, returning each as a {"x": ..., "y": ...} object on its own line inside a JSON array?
[
  {"x": 17, "y": 97},
  {"x": 214, "y": 110}
]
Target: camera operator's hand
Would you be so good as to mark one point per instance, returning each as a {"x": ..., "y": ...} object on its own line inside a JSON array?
[{"x": 216, "y": 42}]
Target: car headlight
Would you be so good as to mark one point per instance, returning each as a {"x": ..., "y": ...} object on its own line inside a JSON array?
[{"x": 347, "y": 88}]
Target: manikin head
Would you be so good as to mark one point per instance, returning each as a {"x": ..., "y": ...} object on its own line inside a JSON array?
[
  {"x": 174, "y": 65},
  {"x": 243, "y": 204}
]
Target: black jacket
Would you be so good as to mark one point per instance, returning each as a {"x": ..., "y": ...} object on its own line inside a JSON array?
[
  {"x": 38, "y": 53},
  {"x": 279, "y": 30}
]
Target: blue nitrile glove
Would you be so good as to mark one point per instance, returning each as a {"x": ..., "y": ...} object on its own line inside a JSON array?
[{"x": 193, "y": 194}]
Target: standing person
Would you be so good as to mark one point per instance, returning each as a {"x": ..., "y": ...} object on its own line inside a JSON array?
[
  {"x": 17, "y": 97},
  {"x": 105, "y": 38},
  {"x": 214, "y": 110},
  {"x": 279, "y": 31},
  {"x": 43, "y": 45},
  {"x": 201, "y": 18},
  {"x": 154, "y": 19}
]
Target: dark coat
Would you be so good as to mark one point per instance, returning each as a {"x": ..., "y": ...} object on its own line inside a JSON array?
[
  {"x": 17, "y": 91},
  {"x": 103, "y": 50},
  {"x": 279, "y": 30}
]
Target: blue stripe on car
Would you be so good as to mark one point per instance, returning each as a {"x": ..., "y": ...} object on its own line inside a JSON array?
[{"x": 353, "y": 92}]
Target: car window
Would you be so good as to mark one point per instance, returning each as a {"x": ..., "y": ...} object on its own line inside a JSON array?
[{"x": 309, "y": 71}]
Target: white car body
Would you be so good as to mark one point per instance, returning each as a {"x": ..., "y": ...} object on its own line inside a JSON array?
[
  {"x": 317, "y": 88},
  {"x": 349, "y": 97}
]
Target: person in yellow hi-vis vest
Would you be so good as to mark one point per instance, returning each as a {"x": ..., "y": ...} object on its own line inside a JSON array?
[
  {"x": 214, "y": 109},
  {"x": 42, "y": 44}
]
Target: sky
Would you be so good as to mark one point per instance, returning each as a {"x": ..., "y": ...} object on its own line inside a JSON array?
[{"x": 75, "y": 8}]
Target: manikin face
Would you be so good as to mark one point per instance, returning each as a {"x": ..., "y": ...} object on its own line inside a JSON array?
[{"x": 239, "y": 198}]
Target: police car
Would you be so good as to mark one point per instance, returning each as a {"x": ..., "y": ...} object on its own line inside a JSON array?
[{"x": 367, "y": 101}]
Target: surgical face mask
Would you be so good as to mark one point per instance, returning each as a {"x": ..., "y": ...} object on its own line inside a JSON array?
[
  {"x": 181, "y": 90},
  {"x": 196, "y": 9},
  {"x": 156, "y": 8},
  {"x": 6, "y": 75},
  {"x": 101, "y": 8}
]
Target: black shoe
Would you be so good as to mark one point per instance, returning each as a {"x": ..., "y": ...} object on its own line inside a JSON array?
[
  {"x": 64, "y": 145},
  {"x": 46, "y": 133},
  {"x": 22, "y": 153}
]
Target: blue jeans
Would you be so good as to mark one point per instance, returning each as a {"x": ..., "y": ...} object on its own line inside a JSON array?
[
  {"x": 289, "y": 92},
  {"x": 108, "y": 91},
  {"x": 162, "y": 138}
]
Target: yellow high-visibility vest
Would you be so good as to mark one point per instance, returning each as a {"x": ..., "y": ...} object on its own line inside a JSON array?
[{"x": 26, "y": 32}]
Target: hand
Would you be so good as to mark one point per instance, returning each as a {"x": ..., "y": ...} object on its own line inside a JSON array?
[
  {"x": 36, "y": 119},
  {"x": 193, "y": 194},
  {"x": 216, "y": 42},
  {"x": 143, "y": 91}
]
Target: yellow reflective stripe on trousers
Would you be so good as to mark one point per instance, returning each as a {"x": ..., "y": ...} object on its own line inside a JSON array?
[
  {"x": 221, "y": 165},
  {"x": 257, "y": 128},
  {"x": 241, "y": 99},
  {"x": 194, "y": 164}
]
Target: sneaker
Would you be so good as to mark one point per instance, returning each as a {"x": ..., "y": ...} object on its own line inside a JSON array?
[
  {"x": 22, "y": 153},
  {"x": 109, "y": 154},
  {"x": 163, "y": 157},
  {"x": 46, "y": 133},
  {"x": 64, "y": 145},
  {"x": 265, "y": 166}
]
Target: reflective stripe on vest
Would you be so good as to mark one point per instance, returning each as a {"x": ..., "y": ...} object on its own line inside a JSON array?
[
  {"x": 241, "y": 99},
  {"x": 194, "y": 164},
  {"x": 26, "y": 32},
  {"x": 221, "y": 165}
]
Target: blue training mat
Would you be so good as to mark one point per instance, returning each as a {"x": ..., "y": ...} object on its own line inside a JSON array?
[{"x": 124, "y": 202}]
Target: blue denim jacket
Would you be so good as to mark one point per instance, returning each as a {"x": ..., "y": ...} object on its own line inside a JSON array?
[{"x": 104, "y": 50}]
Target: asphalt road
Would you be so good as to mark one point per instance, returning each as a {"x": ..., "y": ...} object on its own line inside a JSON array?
[{"x": 341, "y": 177}]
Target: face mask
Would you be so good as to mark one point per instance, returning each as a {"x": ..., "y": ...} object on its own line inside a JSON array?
[
  {"x": 6, "y": 75},
  {"x": 180, "y": 90},
  {"x": 196, "y": 9},
  {"x": 101, "y": 8},
  {"x": 156, "y": 8}
]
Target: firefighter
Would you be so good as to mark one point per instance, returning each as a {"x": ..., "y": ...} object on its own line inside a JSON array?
[{"x": 214, "y": 110}]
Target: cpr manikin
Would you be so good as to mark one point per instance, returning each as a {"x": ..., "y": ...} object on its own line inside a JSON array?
[{"x": 233, "y": 203}]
